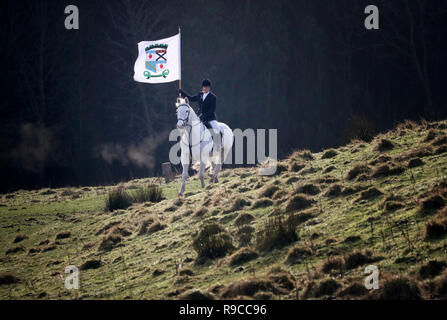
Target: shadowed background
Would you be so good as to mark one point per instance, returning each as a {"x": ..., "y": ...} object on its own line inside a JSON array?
[{"x": 71, "y": 113}]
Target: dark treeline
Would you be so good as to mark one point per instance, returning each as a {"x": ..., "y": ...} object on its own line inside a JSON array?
[{"x": 72, "y": 114}]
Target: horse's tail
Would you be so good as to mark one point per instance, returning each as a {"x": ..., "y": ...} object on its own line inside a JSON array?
[{"x": 196, "y": 165}]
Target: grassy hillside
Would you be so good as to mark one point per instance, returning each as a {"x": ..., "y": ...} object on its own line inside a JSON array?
[{"x": 306, "y": 233}]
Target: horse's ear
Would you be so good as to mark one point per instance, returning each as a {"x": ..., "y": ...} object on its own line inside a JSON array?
[
  {"x": 177, "y": 102},
  {"x": 186, "y": 100}
]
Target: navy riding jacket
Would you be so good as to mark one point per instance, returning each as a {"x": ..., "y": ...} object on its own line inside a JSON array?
[{"x": 207, "y": 107}]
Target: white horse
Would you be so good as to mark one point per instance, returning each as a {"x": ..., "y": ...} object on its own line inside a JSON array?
[{"x": 197, "y": 141}]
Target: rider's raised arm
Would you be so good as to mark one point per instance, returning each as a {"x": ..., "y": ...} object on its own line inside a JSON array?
[{"x": 190, "y": 98}]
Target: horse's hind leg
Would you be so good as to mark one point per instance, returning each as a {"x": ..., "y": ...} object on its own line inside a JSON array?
[
  {"x": 216, "y": 173},
  {"x": 217, "y": 168},
  {"x": 184, "y": 177}
]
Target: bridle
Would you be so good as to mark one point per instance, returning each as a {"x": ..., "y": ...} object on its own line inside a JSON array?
[{"x": 185, "y": 121}]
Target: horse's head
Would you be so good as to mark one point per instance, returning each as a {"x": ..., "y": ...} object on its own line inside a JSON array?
[{"x": 183, "y": 110}]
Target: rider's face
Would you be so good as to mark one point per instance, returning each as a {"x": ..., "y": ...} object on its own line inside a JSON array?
[{"x": 205, "y": 89}]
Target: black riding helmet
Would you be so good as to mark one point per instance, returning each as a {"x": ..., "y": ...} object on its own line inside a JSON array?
[{"x": 206, "y": 83}]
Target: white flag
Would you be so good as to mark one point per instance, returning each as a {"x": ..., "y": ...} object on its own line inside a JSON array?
[{"x": 158, "y": 61}]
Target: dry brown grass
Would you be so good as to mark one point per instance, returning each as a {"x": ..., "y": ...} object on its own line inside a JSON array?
[
  {"x": 9, "y": 278},
  {"x": 308, "y": 188},
  {"x": 20, "y": 238},
  {"x": 242, "y": 256},
  {"x": 384, "y": 145},
  {"x": 357, "y": 170},
  {"x": 299, "y": 202},
  {"x": 249, "y": 287},
  {"x": 297, "y": 254},
  {"x": 109, "y": 242},
  {"x": 243, "y": 218},
  {"x": 63, "y": 235},
  {"x": 269, "y": 191},
  {"x": 398, "y": 288}
]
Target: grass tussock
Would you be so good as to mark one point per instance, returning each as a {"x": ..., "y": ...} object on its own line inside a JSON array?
[
  {"x": 244, "y": 235},
  {"x": 303, "y": 154},
  {"x": 415, "y": 162},
  {"x": 63, "y": 235},
  {"x": 327, "y": 287},
  {"x": 329, "y": 154},
  {"x": 243, "y": 218},
  {"x": 356, "y": 259},
  {"x": 150, "y": 225},
  {"x": 431, "y": 134},
  {"x": 91, "y": 264},
  {"x": 418, "y": 152},
  {"x": 118, "y": 198},
  {"x": 297, "y": 254},
  {"x": 386, "y": 170},
  {"x": 249, "y": 287},
  {"x": 109, "y": 242},
  {"x": 212, "y": 241},
  {"x": 436, "y": 228},
  {"x": 431, "y": 204},
  {"x": 357, "y": 170},
  {"x": 354, "y": 290},
  {"x": 439, "y": 141},
  {"x": 122, "y": 231},
  {"x": 238, "y": 204},
  {"x": 20, "y": 238},
  {"x": 242, "y": 256},
  {"x": 299, "y": 202},
  {"x": 150, "y": 193},
  {"x": 9, "y": 278},
  {"x": 15, "y": 249},
  {"x": 334, "y": 190},
  {"x": 384, "y": 145},
  {"x": 333, "y": 264},
  {"x": 400, "y": 288},
  {"x": 278, "y": 231},
  {"x": 432, "y": 269},
  {"x": 370, "y": 193},
  {"x": 440, "y": 287},
  {"x": 201, "y": 212},
  {"x": 196, "y": 294},
  {"x": 281, "y": 278},
  {"x": 380, "y": 159},
  {"x": 392, "y": 205},
  {"x": 309, "y": 189},
  {"x": 350, "y": 261},
  {"x": 262, "y": 203},
  {"x": 269, "y": 191},
  {"x": 296, "y": 166}
]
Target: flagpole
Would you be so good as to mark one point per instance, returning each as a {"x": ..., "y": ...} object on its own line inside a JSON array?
[{"x": 180, "y": 80}]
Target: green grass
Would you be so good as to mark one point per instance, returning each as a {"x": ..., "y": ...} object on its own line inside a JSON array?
[{"x": 127, "y": 270}]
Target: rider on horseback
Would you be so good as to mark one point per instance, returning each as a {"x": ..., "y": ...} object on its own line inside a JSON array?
[{"x": 207, "y": 106}]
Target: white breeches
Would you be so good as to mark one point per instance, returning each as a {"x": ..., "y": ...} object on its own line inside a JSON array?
[{"x": 214, "y": 125}]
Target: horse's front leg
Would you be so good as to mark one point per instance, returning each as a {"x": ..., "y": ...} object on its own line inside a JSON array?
[
  {"x": 184, "y": 178},
  {"x": 202, "y": 173}
]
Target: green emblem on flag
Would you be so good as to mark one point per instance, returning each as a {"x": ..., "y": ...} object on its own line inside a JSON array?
[{"x": 156, "y": 61}]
